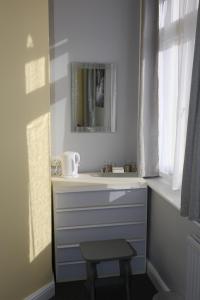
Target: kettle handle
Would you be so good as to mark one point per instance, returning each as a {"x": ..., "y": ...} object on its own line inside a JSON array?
[
  {"x": 73, "y": 166},
  {"x": 77, "y": 158}
]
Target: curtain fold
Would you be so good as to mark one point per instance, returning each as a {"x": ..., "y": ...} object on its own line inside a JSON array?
[
  {"x": 190, "y": 194},
  {"x": 147, "y": 156}
]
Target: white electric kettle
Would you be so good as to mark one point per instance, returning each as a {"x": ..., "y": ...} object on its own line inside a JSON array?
[{"x": 70, "y": 162}]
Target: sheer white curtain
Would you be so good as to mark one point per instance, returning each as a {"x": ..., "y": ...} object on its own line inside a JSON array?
[{"x": 177, "y": 26}]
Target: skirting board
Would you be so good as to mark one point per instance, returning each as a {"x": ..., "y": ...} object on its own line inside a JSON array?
[
  {"x": 156, "y": 279},
  {"x": 44, "y": 293}
]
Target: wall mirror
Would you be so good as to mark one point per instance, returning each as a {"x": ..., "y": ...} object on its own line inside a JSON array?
[{"x": 93, "y": 97}]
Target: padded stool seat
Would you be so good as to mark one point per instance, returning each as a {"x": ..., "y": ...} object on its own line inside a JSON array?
[
  {"x": 95, "y": 252},
  {"x": 167, "y": 296}
]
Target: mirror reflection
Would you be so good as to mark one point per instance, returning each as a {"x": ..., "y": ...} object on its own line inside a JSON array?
[{"x": 93, "y": 97}]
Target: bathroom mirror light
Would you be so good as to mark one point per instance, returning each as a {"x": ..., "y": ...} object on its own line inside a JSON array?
[{"x": 93, "y": 97}]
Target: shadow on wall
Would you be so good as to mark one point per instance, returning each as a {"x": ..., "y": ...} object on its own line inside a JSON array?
[
  {"x": 60, "y": 102},
  {"x": 59, "y": 84}
]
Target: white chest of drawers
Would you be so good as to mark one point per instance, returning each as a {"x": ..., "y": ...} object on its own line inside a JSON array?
[{"x": 85, "y": 210}]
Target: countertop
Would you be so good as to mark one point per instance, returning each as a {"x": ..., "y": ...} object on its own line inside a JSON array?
[{"x": 94, "y": 182}]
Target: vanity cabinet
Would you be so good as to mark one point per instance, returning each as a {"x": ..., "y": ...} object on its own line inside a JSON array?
[{"x": 85, "y": 214}]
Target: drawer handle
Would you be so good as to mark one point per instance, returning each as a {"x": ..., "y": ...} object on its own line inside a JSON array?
[
  {"x": 99, "y": 225},
  {"x": 98, "y": 208}
]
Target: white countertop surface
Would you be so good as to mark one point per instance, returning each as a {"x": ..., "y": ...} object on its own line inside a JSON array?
[{"x": 94, "y": 182}]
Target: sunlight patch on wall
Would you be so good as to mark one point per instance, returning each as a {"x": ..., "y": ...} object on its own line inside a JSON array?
[
  {"x": 39, "y": 186},
  {"x": 35, "y": 74},
  {"x": 59, "y": 44},
  {"x": 29, "y": 41}
]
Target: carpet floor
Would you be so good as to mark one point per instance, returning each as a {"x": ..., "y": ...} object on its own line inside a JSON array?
[{"x": 142, "y": 289}]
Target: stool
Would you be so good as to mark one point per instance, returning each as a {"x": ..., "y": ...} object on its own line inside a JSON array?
[
  {"x": 167, "y": 296},
  {"x": 95, "y": 252}
]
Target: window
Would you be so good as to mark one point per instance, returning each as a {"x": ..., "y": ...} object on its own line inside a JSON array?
[{"x": 177, "y": 25}]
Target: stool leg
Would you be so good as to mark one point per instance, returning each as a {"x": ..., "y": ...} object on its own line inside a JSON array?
[
  {"x": 91, "y": 276},
  {"x": 125, "y": 272}
]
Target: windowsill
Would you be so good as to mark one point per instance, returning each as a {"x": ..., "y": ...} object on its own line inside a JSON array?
[{"x": 160, "y": 186}]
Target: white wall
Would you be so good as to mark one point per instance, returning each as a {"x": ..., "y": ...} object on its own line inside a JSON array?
[
  {"x": 168, "y": 233},
  {"x": 95, "y": 31}
]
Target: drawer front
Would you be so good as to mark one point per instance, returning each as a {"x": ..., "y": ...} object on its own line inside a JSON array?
[
  {"x": 99, "y": 198},
  {"x": 73, "y": 254},
  {"x": 70, "y": 272},
  {"x": 100, "y": 216},
  {"x": 68, "y": 254},
  {"x": 77, "y": 235},
  {"x": 77, "y": 271}
]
